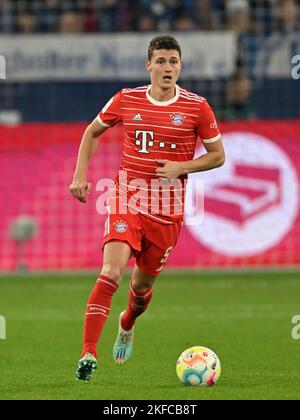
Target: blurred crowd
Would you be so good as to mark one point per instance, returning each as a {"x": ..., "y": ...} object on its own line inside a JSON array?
[
  {"x": 245, "y": 17},
  {"x": 76, "y": 16}
]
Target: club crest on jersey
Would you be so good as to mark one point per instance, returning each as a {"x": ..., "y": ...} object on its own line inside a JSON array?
[
  {"x": 176, "y": 119},
  {"x": 120, "y": 226}
]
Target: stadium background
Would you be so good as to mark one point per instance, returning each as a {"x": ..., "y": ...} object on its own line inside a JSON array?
[{"x": 63, "y": 61}]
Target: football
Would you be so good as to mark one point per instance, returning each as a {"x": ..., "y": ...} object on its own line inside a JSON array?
[{"x": 198, "y": 366}]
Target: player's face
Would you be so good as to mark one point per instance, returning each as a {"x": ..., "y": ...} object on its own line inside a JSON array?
[{"x": 164, "y": 68}]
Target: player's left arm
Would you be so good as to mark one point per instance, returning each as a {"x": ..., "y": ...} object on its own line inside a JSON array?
[{"x": 214, "y": 158}]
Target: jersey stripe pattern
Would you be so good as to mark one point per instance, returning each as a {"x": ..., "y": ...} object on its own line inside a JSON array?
[{"x": 156, "y": 130}]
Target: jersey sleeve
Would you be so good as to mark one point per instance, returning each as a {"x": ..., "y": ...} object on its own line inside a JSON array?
[
  {"x": 111, "y": 112},
  {"x": 207, "y": 125}
]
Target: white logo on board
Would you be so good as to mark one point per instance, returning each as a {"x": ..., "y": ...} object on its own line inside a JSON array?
[{"x": 251, "y": 202}]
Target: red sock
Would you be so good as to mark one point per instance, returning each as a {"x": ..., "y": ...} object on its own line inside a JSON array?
[
  {"x": 98, "y": 308},
  {"x": 137, "y": 304}
]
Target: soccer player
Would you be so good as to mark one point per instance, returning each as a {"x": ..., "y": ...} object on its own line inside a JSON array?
[{"x": 161, "y": 123}]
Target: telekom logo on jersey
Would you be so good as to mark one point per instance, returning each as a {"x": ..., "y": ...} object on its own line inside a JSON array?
[
  {"x": 142, "y": 140},
  {"x": 146, "y": 139}
]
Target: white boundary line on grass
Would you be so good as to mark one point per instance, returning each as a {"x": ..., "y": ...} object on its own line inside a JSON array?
[{"x": 170, "y": 271}]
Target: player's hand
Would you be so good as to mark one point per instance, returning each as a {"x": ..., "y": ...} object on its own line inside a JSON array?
[
  {"x": 169, "y": 169},
  {"x": 80, "y": 190}
]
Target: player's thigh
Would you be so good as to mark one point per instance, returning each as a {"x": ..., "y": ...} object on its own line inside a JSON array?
[
  {"x": 160, "y": 240},
  {"x": 124, "y": 228},
  {"x": 140, "y": 280},
  {"x": 152, "y": 259},
  {"x": 115, "y": 257}
]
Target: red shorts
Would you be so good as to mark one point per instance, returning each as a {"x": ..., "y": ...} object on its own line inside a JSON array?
[{"x": 150, "y": 241}]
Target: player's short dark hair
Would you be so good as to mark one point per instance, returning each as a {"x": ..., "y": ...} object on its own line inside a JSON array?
[{"x": 163, "y": 42}]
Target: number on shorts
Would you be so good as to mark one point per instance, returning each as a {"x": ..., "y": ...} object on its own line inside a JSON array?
[{"x": 166, "y": 255}]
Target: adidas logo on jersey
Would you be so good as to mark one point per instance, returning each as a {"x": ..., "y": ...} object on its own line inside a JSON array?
[{"x": 137, "y": 117}]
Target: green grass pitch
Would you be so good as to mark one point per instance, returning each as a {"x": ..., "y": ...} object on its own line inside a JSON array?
[{"x": 244, "y": 318}]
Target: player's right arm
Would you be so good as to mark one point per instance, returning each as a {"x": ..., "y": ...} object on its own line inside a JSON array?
[
  {"x": 79, "y": 187},
  {"x": 109, "y": 116}
]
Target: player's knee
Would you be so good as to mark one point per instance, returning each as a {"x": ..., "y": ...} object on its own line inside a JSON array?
[{"x": 112, "y": 271}]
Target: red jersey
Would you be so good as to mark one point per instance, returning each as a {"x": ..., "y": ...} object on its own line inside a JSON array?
[{"x": 156, "y": 130}]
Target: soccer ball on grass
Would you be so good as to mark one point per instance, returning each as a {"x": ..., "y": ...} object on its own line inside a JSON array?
[{"x": 198, "y": 366}]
